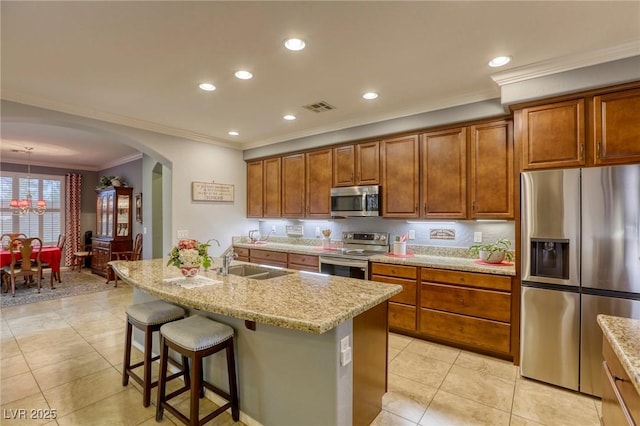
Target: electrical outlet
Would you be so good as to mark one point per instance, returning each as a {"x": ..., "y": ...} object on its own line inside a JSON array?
[
  {"x": 345, "y": 357},
  {"x": 412, "y": 234},
  {"x": 273, "y": 228},
  {"x": 317, "y": 231},
  {"x": 183, "y": 233},
  {"x": 477, "y": 237},
  {"x": 344, "y": 343}
]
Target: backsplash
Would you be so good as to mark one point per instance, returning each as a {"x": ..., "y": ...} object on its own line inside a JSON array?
[{"x": 462, "y": 232}]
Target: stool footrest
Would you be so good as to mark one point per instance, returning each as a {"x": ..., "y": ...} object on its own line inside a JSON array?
[{"x": 219, "y": 411}]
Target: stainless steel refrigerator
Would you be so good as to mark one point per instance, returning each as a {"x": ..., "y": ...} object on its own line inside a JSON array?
[{"x": 580, "y": 258}]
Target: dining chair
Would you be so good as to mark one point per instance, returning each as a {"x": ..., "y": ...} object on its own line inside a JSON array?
[
  {"x": 134, "y": 254},
  {"x": 62, "y": 238},
  {"x": 80, "y": 256},
  {"x": 22, "y": 265}
]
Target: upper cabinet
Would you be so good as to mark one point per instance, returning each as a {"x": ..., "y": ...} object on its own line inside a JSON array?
[
  {"x": 357, "y": 164},
  {"x": 318, "y": 181},
  {"x": 400, "y": 176},
  {"x": 599, "y": 127},
  {"x": 491, "y": 177},
  {"x": 264, "y": 188},
  {"x": 444, "y": 174},
  {"x": 552, "y": 135},
  {"x": 616, "y": 136},
  {"x": 293, "y": 189}
]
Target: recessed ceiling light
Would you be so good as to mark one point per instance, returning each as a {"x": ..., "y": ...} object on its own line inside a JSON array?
[
  {"x": 370, "y": 95},
  {"x": 294, "y": 44},
  {"x": 244, "y": 75},
  {"x": 207, "y": 87},
  {"x": 233, "y": 133},
  {"x": 499, "y": 61},
  {"x": 289, "y": 117}
]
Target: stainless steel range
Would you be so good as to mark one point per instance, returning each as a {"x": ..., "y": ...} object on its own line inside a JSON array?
[{"x": 352, "y": 259}]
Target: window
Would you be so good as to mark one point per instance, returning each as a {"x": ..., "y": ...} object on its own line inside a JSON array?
[{"x": 49, "y": 188}]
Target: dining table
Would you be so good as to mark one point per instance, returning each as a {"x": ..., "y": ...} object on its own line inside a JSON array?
[{"x": 49, "y": 254}]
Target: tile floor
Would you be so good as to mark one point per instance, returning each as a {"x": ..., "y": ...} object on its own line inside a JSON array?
[{"x": 66, "y": 354}]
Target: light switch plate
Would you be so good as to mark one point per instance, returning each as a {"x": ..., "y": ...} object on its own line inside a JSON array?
[
  {"x": 183, "y": 233},
  {"x": 294, "y": 230},
  {"x": 412, "y": 234},
  {"x": 477, "y": 237}
]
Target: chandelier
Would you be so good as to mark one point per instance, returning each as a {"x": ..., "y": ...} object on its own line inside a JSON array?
[{"x": 24, "y": 206}]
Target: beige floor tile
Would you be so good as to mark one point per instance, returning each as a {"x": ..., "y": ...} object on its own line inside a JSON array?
[
  {"x": 451, "y": 410},
  {"x": 32, "y": 410},
  {"x": 70, "y": 369},
  {"x": 37, "y": 323},
  {"x": 18, "y": 387},
  {"x": 433, "y": 350},
  {"x": 9, "y": 348},
  {"x": 206, "y": 406},
  {"x": 82, "y": 392},
  {"x": 152, "y": 421},
  {"x": 598, "y": 404},
  {"x": 420, "y": 368},
  {"x": 56, "y": 353},
  {"x": 392, "y": 353},
  {"x": 488, "y": 365},
  {"x": 407, "y": 398},
  {"x": 480, "y": 387},
  {"x": 13, "y": 366},
  {"x": 521, "y": 421},
  {"x": 552, "y": 406},
  {"x": 385, "y": 418},
  {"x": 124, "y": 408},
  {"x": 48, "y": 338},
  {"x": 87, "y": 317},
  {"x": 398, "y": 341},
  {"x": 105, "y": 336}
]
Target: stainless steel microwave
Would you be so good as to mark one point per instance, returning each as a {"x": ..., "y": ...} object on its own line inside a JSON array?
[{"x": 355, "y": 201}]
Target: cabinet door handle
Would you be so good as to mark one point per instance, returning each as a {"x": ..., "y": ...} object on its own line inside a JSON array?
[{"x": 598, "y": 147}]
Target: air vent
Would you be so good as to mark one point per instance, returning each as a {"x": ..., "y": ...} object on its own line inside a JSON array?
[{"x": 321, "y": 106}]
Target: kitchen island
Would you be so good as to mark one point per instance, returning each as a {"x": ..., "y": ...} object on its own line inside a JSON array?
[{"x": 292, "y": 369}]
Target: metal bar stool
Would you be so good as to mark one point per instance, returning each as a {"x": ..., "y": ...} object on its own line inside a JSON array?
[
  {"x": 149, "y": 317},
  {"x": 197, "y": 337}
]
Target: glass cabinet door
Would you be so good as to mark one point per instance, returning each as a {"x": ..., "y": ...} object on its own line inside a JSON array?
[
  {"x": 109, "y": 212},
  {"x": 122, "y": 218}
]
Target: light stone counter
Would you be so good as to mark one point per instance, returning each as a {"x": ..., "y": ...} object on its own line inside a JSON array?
[
  {"x": 307, "y": 302},
  {"x": 432, "y": 257},
  {"x": 624, "y": 336}
]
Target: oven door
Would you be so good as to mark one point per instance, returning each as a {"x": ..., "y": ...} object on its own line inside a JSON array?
[{"x": 341, "y": 267}]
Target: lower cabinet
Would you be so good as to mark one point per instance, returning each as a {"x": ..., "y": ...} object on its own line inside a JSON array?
[
  {"x": 243, "y": 253},
  {"x": 303, "y": 262},
  {"x": 402, "y": 306},
  {"x": 466, "y": 309},
  {"x": 268, "y": 257},
  {"x": 620, "y": 399},
  {"x": 300, "y": 262},
  {"x": 103, "y": 250}
]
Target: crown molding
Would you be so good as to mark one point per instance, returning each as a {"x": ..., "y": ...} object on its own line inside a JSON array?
[
  {"x": 40, "y": 102},
  {"x": 567, "y": 63}
]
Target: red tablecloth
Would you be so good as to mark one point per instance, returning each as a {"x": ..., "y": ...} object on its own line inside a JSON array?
[{"x": 50, "y": 255}]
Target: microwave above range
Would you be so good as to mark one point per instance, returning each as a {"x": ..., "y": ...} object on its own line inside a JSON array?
[{"x": 355, "y": 201}]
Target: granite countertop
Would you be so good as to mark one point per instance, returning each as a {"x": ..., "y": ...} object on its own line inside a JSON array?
[
  {"x": 624, "y": 336},
  {"x": 303, "y": 301},
  {"x": 432, "y": 258}
]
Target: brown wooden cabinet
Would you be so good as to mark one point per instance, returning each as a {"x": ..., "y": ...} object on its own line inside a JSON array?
[
  {"x": 303, "y": 262},
  {"x": 113, "y": 226},
  {"x": 243, "y": 253},
  {"x": 620, "y": 399},
  {"x": 399, "y": 159},
  {"x": 444, "y": 174},
  {"x": 616, "y": 127},
  {"x": 491, "y": 180},
  {"x": 402, "y": 306},
  {"x": 255, "y": 189},
  {"x": 466, "y": 308},
  {"x": 293, "y": 188},
  {"x": 264, "y": 188},
  {"x": 268, "y": 257},
  {"x": 319, "y": 165},
  {"x": 552, "y": 135},
  {"x": 356, "y": 164}
]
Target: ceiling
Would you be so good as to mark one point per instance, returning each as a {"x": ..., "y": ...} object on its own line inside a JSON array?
[{"x": 140, "y": 63}]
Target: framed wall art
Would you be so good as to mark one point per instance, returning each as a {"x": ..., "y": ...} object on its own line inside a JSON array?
[{"x": 137, "y": 200}]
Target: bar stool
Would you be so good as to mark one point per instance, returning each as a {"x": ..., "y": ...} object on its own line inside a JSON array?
[
  {"x": 197, "y": 337},
  {"x": 149, "y": 317}
]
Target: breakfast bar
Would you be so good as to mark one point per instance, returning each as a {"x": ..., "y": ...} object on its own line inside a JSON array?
[{"x": 311, "y": 348}]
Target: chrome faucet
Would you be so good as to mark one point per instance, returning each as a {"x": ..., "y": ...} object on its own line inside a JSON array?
[{"x": 226, "y": 261}]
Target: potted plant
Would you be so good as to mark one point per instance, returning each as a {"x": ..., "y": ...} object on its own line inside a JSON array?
[
  {"x": 189, "y": 255},
  {"x": 493, "y": 252}
]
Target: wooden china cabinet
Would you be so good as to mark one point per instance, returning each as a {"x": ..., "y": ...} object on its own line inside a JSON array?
[{"x": 113, "y": 226}]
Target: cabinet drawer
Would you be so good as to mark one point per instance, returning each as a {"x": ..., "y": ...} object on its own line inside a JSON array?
[
  {"x": 481, "y": 333},
  {"x": 468, "y": 301},
  {"x": 304, "y": 259},
  {"x": 241, "y": 251},
  {"x": 470, "y": 279},
  {"x": 621, "y": 381},
  {"x": 268, "y": 262},
  {"x": 408, "y": 293},
  {"x": 274, "y": 256},
  {"x": 397, "y": 271},
  {"x": 402, "y": 316},
  {"x": 100, "y": 245},
  {"x": 303, "y": 267},
  {"x": 614, "y": 410}
]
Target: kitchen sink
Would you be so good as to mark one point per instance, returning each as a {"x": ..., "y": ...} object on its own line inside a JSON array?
[{"x": 257, "y": 272}]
